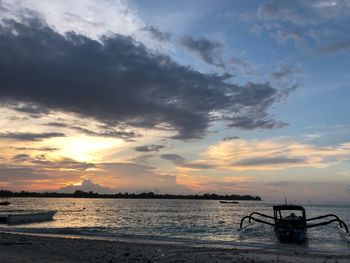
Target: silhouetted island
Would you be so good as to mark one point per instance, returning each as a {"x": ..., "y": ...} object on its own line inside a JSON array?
[{"x": 149, "y": 195}]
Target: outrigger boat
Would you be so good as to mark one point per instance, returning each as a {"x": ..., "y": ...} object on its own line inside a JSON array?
[
  {"x": 290, "y": 222},
  {"x": 4, "y": 201},
  {"x": 228, "y": 202}
]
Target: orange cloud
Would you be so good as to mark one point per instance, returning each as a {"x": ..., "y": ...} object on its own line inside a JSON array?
[{"x": 243, "y": 155}]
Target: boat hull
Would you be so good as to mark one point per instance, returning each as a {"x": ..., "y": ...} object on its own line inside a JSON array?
[
  {"x": 29, "y": 217},
  {"x": 290, "y": 234}
]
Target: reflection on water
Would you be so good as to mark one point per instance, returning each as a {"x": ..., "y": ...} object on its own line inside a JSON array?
[{"x": 196, "y": 220}]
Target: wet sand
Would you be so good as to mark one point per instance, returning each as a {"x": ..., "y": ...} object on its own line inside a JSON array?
[{"x": 27, "y": 248}]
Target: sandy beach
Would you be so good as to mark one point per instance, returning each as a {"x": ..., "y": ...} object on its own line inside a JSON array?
[{"x": 28, "y": 248}]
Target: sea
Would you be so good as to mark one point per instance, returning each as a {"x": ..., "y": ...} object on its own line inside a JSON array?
[{"x": 192, "y": 222}]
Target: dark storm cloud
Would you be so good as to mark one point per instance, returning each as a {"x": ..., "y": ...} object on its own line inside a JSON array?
[
  {"x": 120, "y": 83},
  {"x": 175, "y": 158},
  {"x": 28, "y": 136},
  {"x": 270, "y": 161},
  {"x": 107, "y": 132},
  {"x": 149, "y": 148},
  {"x": 157, "y": 34},
  {"x": 34, "y": 111},
  {"x": 207, "y": 50}
]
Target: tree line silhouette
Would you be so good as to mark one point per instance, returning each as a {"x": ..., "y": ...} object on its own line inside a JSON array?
[{"x": 149, "y": 195}]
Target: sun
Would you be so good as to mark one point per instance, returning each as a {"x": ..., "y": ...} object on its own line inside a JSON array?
[{"x": 85, "y": 148}]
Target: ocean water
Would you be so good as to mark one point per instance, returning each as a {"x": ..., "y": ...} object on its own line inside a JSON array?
[{"x": 187, "y": 221}]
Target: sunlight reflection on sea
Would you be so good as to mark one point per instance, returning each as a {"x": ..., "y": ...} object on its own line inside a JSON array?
[{"x": 191, "y": 220}]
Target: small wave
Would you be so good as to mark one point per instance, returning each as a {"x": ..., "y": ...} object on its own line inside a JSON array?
[
  {"x": 92, "y": 231},
  {"x": 103, "y": 233}
]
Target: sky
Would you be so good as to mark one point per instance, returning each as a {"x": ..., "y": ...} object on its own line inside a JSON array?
[{"x": 182, "y": 97}]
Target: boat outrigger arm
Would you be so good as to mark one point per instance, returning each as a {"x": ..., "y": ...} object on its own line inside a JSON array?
[
  {"x": 335, "y": 219},
  {"x": 293, "y": 228}
]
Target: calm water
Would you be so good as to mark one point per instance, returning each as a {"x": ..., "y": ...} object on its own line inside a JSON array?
[{"x": 192, "y": 221}]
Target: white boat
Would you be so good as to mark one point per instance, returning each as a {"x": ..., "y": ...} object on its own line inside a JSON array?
[{"x": 17, "y": 218}]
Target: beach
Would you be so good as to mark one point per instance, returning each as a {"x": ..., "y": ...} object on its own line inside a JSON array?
[{"x": 36, "y": 248}]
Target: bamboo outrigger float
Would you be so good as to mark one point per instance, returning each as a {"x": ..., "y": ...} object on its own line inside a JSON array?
[{"x": 293, "y": 228}]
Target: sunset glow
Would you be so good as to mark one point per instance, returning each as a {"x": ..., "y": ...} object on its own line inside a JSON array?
[{"x": 247, "y": 97}]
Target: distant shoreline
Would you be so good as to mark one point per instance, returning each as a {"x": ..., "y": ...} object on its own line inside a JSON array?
[{"x": 149, "y": 195}]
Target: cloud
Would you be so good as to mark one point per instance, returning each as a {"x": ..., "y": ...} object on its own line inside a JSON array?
[
  {"x": 149, "y": 148},
  {"x": 247, "y": 123},
  {"x": 39, "y": 173},
  {"x": 229, "y": 138},
  {"x": 143, "y": 159},
  {"x": 331, "y": 9},
  {"x": 269, "y": 161},
  {"x": 285, "y": 71},
  {"x": 105, "y": 132},
  {"x": 63, "y": 163},
  {"x": 304, "y": 23},
  {"x": 206, "y": 50},
  {"x": 28, "y": 136},
  {"x": 334, "y": 47},
  {"x": 274, "y": 154},
  {"x": 283, "y": 36},
  {"x": 244, "y": 66},
  {"x": 157, "y": 34},
  {"x": 282, "y": 11},
  {"x": 119, "y": 82},
  {"x": 13, "y": 175},
  {"x": 182, "y": 162},
  {"x": 92, "y": 18},
  {"x": 21, "y": 157},
  {"x": 137, "y": 177},
  {"x": 198, "y": 165},
  {"x": 175, "y": 158},
  {"x": 86, "y": 186},
  {"x": 34, "y": 111},
  {"x": 240, "y": 62},
  {"x": 44, "y": 149}
]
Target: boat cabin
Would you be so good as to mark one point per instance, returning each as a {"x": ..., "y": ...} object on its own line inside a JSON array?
[
  {"x": 291, "y": 213},
  {"x": 290, "y": 222}
]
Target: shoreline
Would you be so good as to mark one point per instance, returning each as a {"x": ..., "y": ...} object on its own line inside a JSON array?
[{"x": 18, "y": 247}]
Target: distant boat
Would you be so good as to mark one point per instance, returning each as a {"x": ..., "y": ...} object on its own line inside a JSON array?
[
  {"x": 4, "y": 201},
  {"x": 228, "y": 202},
  {"x": 18, "y": 218}
]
